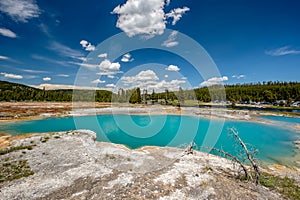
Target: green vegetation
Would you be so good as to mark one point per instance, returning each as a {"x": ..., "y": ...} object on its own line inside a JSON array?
[
  {"x": 268, "y": 92},
  {"x": 10, "y": 170},
  {"x": 12, "y": 149},
  {"x": 14, "y": 169},
  {"x": 110, "y": 156},
  {"x": 259, "y": 92},
  {"x": 285, "y": 186},
  {"x": 44, "y": 139},
  {"x": 18, "y": 92}
]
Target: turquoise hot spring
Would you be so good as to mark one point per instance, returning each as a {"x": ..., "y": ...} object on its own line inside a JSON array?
[{"x": 274, "y": 139}]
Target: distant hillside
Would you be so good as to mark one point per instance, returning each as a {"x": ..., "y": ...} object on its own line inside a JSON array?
[
  {"x": 18, "y": 92},
  {"x": 4, "y": 85}
]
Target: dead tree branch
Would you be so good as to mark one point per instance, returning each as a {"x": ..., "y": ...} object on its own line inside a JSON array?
[{"x": 248, "y": 154}]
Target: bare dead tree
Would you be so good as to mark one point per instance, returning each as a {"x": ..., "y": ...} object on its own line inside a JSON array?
[
  {"x": 235, "y": 159},
  {"x": 249, "y": 154}
]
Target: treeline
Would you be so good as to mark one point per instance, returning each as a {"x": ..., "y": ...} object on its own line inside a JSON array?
[
  {"x": 260, "y": 92},
  {"x": 18, "y": 92},
  {"x": 256, "y": 92}
]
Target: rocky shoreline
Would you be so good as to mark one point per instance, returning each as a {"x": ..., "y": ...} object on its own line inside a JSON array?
[{"x": 72, "y": 165}]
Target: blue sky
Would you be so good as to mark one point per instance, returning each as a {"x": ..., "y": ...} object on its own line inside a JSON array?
[{"x": 60, "y": 43}]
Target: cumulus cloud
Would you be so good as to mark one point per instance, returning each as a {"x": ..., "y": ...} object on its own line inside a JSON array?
[
  {"x": 141, "y": 17},
  {"x": 87, "y": 45},
  {"x": 149, "y": 80},
  {"x": 46, "y": 79},
  {"x": 146, "y": 18},
  {"x": 106, "y": 65},
  {"x": 282, "y": 51},
  {"x": 127, "y": 58},
  {"x": 214, "y": 81},
  {"x": 166, "y": 76},
  {"x": 173, "y": 68},
  {"x": 102, "y": 55},
  {"x": 20, "y": 10},
  {"x": 176, "y": 14},
  {"x": 142, "y": 76},
  {"x": 239, "y": 76},
  {"x": 98, "y": 81},
  {"x": 110, "y": 76},
  {"x": 170, "y": 85},
  {"x": 171, "y": 41},
  {"x": 11, "y": 76},
  {"x": 7, "y": 33}
]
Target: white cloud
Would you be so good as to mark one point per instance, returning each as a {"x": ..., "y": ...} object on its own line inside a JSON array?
[
  {"x": 111, "y": 85},
  {"x": 109, "y": 73},
  {"x": 58, "y": 86},
  {"x": 46, "y": 79},
  {"x": 35, "y": 71},
  {"x": 171, "y": 41},
  {"x": 86, "y": 65},
  {"x": 98, "y": 81},
  {"x": 45, "y": 29},
  {"x": 145, "y": 18},
  {"x": 239, "y": 76},
  {"x": 20, "y": 10},
  {"x": 282, "y": 51},
  {"x": 176, "y": 14},
  {"x": 172, "y": 85},
  {"x": 106, "y": 65},
  {"x": 142, "y": 76},
  {"x": 127, "y": 58},
  {"x": 87, "y": 45},
  {"x": 103, "y": 55},
  {"x": 7, "y": 33},
  {"x": 149, "y": 80},
  {"x": 110, "y": 76},
  {"x": 63, "y": 75},
  {"x": 11, "y": 76},
  {"x": 55, "y": 61},
  {"x": 166, "y": 76},
  {"x": 173, "y": 68},
  {"x": 84, "y": 43},
  {"x": 4, "y": 58},
  {"x": 140, "y": 17},
  {"x": 65, "y": 51},
  {"x": 214, "y": 81},
  {"x": 84, "y": 59}
]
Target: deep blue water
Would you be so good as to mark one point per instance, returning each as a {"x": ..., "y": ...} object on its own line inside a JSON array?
[{"x": 273, "y": 142}]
